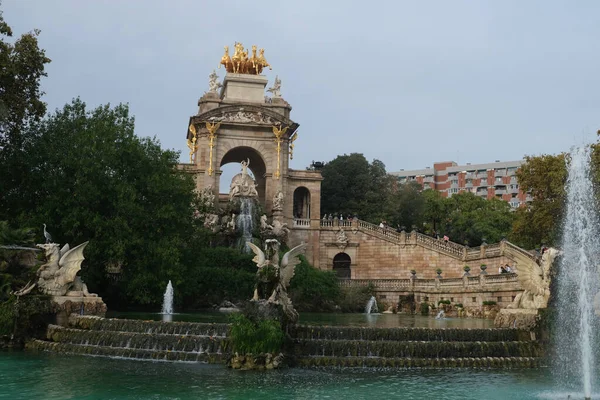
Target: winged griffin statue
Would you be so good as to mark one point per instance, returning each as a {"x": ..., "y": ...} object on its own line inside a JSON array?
[
  {"x": 274, "y": 278},
  {"x": 58, "y": 277},
  {"x": 535, "y": 279}
]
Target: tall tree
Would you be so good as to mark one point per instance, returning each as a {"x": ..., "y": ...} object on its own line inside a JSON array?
[
  {"x": 407, "y": 207},
  {"x": 471, "y": 219},
  {"x": 351, "y": 185},
  {"x": 88, "y": 177},
  {"x": 544, "y": 177},
  {"x": 22, "y": 65}
]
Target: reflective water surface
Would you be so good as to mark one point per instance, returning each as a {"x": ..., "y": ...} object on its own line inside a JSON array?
[{"x": 29, "y": 375}]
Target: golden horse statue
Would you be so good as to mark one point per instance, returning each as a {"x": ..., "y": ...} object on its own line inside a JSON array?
[
  {"x": 226, "y": 61},
  {"x": 262, "y": 62},
  {"x": 240, "y": 63},
  {"x": 238, "y": 58}
]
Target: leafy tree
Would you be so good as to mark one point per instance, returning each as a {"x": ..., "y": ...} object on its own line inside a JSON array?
[
  {"x": 353, "y": 186},
  {"x": 471, "y": 219},
  {"x": 312, "y": 289},
  {"x": 88, "y": 177},
  {"x": 544, "y": 177},
  {"x": 433, "y": 209},
  {"x": 21, "y": 68},
  {"x": 407, "y": 207}
]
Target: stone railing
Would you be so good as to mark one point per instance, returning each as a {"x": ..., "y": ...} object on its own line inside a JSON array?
[
  {"x": 508, "y": 281},
  {"x": 455, "y": 250},
  {"x": 302, "y": 222}
]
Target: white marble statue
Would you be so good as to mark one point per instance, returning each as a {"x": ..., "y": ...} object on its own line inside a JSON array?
[
  {"x": 231, "y": 223},
  {"x": 242, "y": 185},
  {"x": 213, "y": 83},
  {"x": 276, "y": 89},
  {"x": 278, "y": 201},
  {"x": 275, "y": 283},
  {"x": 535, "y": 279},
  {"x": 58, "y": 276},
  {"x": 280, "y": 229},
  {"x": 341, "y": 239},
  {"x": 264, "y": 225}
]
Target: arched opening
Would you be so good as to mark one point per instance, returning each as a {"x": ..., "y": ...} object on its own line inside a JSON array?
[
  {"x": 230, "y": 166},
  {"x": 302, "y": 203},
  {"x": 341, "y": 265}
]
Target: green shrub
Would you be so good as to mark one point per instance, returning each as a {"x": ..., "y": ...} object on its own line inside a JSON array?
[
  {"x": 312, "y": 289},
  {"x": 489, "y": 303},
  {"x": 217, "y": 274},
  {"x": 458, "y": 305},
  {"x": 424, "y": 308},
  {"x": 248, "y": 337},
  {"x": 443, "y": 302},
  {"x": 354, "y": 298}
]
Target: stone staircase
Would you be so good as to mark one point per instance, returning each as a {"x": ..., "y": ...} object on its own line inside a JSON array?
[
  {"x": 147, "y": 340},
  {"x": 415, "y": 348},
  {"x": 311, "y": 346}
]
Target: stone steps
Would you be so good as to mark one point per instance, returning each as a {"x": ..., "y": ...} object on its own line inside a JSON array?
[
  {"x": 140, "y": 326},
  {"x": 409, "y": 334},
  {"x": 123, "y": 352},
  {"x": 418, "y": 349},
  {"x": 394, "y": 362},
  {"x": 135, "y": 340},
  {"x": 310, "y": 345}
]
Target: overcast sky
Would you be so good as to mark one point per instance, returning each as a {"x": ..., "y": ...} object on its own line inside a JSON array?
[{"x": 406, "y": 82}]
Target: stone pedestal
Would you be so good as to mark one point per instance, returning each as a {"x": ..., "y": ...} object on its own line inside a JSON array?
[
  {"x": 244, "y": 88},
  {"x": 520, "y": 318},
  {"x": 66, "y": 305}
]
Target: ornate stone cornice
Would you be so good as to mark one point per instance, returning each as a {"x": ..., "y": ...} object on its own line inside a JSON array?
[{"x": 244, "y": 114}]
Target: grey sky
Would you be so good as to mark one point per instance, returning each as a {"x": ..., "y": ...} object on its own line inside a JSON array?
[{"x": 408, "y": 83}]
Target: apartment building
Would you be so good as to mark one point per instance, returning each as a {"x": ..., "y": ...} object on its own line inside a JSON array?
[{"x": 490, "y": 180}]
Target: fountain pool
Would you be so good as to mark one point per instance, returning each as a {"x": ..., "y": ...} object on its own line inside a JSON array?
[{"x": 27, "y": 375}]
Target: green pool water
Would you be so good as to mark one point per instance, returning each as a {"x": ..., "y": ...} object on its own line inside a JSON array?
[
  {"x": 331, "y": 319},
  {"x": 30, "y": 375}
]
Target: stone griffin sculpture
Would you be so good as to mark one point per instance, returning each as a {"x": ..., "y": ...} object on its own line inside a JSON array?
[
  {"x": 58, "y": 277},
  {"x": 535, "y": 280},
  {"x": 273, "y": 277}
]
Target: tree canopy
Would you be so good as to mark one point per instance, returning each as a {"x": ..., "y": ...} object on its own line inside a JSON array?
[
  {"x": 88, "y": 177},
  {"x": 352, "y": 185},
  {"x": 22, "y": 65}
]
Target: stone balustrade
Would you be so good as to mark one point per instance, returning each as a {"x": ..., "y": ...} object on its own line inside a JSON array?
[
  {"x": 302, "y": 222},
  {"x": 449, "y": 248},
  {"x": 508, "y": 282}
]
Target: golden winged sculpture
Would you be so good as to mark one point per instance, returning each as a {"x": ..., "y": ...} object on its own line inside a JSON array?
[
  {"x": 191, "y": 143},
  {"x": 240, "y": 63}
]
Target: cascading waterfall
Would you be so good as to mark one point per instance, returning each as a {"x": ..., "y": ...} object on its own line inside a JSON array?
[
  {"x": 167, "y": 307},
  {"x": 245, "y": 222},
  {"x": 371, "y": 306},
  {"x": 576, "y": 328}
]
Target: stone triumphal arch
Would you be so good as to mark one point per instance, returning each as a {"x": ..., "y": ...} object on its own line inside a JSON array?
[{"x": 237, "y": 122}]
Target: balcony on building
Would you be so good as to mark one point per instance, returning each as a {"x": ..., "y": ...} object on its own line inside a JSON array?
[{"x": 500, "y": 172}]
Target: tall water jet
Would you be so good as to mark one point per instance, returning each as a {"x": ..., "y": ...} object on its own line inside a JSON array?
[
  {"x": 371, "y": 306},
  {"x": 578, "y": 279},
  {"x": 167, "y": 307},
  {"x": 245, "y": 222}
]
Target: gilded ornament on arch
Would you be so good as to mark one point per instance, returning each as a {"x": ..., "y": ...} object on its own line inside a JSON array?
[
  {"x": 212, "y": 134},
  {"x": 191, "y": 143},
  {"x": 279, "y": 132},
  {"x": 240, "y": 63}
]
